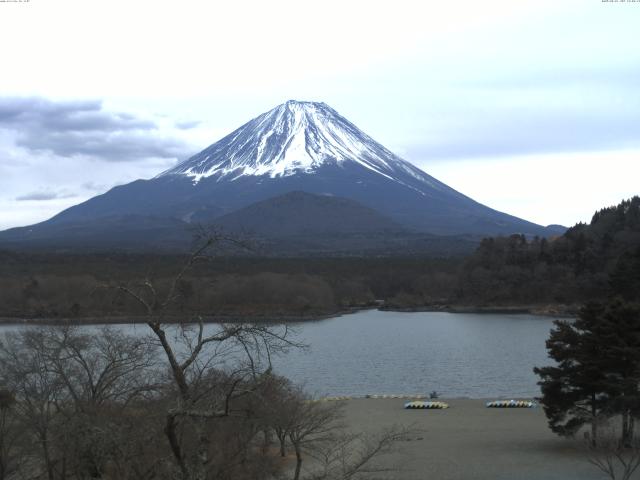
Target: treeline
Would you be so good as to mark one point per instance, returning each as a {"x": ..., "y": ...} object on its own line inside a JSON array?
[
  {"x": 82, "y": 286},
  {"x": 583, "y": 264}
]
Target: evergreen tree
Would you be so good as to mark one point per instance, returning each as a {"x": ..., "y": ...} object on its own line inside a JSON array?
[
  {"x": 598, "y": 369},
  {"x": 625, "y": 278},
  {"x": 574, "y": 391},
  {"x": 620, "y": 332}
]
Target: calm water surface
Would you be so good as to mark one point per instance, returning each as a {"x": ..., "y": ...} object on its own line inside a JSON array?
[
  {"x": 387, "y": 353},
  {"x": 457, "y": 355}
]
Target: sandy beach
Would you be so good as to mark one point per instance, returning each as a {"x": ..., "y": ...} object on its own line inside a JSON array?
[{"x": 470, "y": 441}]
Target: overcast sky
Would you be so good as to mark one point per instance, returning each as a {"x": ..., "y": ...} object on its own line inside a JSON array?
[{"x": 530, "y": 107}]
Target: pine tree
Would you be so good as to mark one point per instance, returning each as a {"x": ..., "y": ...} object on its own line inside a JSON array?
[
  {"x": 620, "y": 332},
  {"x": 598, "y": 369},
  {"x": 624, "y": 280},
  {"x": 574, "y": 391}
]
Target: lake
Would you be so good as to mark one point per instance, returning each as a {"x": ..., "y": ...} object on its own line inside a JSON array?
[
  {"x": 455, "y": 354},
  {"x": 391, "y": 353}
]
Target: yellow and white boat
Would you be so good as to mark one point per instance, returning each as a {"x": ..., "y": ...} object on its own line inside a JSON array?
[{"x": 420, "y": 404}]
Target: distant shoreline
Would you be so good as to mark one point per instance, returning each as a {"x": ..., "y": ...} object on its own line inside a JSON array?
[
  {"x": 560, "y": 311},
  {"x": 547, "y": 310}
]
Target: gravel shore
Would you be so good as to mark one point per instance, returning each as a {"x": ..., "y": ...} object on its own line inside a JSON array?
[{"x": 470, "y": 441}]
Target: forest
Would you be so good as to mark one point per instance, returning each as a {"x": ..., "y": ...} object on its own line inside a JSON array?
[
  {"x": 515, "y": 272},
  {"x": 585, "y": 263}
]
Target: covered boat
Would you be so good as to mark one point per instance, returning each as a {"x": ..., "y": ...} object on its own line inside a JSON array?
[
  {"x": 419, "y": 404},
  {"x": 511, "y": 404}
]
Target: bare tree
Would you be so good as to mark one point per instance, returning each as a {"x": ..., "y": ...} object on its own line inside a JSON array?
[
  {"x": 188, "y": 401},
  {"x": 97, "y": 368},
  {"x": 281, "y": 420},
  {"x": 617, "y": 458},
  {"x": 102, "y": 374},
  {"x": 38, "y": 393},
  {"x": 316, "y": 430},
  {"x": 10, "y": 433},
  {"x": 70, "y": 390},
  {"x": 191, "y": 352},
  {"x": 311, "y": 424},
  {"x": 351, "y": 456}
]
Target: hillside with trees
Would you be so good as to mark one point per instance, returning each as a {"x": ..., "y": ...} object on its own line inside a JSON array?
[
  {"x": 571, "y": 269},
  {"x": 514, "y": 272}
]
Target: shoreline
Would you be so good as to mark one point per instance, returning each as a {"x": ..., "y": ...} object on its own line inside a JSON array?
[
  {"x": 560, "y": 311},
  {"x": 425, "y": 397},
  {"x": 170, "y": 319},
  {"x": 545, "y": 310}
]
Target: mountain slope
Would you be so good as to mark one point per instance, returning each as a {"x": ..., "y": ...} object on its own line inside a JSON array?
[
  {"x": 301, "y": 213},
  {"x": 297, "y": 137},
  {"x": 300, "y": 223},
  {"x": 297, "y": 146},
  {"x": 122, "y": 232}
]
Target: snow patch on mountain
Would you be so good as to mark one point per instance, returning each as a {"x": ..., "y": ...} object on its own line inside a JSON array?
[{"x": 293, "y": 138}]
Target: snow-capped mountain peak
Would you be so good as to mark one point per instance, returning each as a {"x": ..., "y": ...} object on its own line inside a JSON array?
[
  {"x": 274, "y": 174},
  {"x": 294, "y": 137}
]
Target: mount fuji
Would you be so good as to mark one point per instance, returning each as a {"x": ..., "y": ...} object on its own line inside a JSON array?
[{"x": 298, "y": 146}]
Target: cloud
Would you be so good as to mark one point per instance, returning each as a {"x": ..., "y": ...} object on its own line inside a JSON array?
[
  {"x": 186, "y": 125},
  {"x": 93, "y": 186},
  {"x": 528, "y": 133},
  {"x": 540, "y": 76},
  {"x": 121, "y": 146},
  {"x": 85, "y": 128},
  {"x": 44, "y": 195},
  {"x": 530, "y": 117},
  {"x": 83, "y": 115}
]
